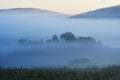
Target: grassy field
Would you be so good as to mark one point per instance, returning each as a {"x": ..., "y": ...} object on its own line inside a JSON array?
[{"x": 94, "y": 73}]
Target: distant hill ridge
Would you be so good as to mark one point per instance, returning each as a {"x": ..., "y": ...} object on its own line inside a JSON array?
[
  {"x": 109, "y": 12},
  {"x": 33, "y": 11},
  {"x": 25, "y": 10}
]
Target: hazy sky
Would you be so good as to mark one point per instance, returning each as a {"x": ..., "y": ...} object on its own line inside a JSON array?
[{"x": 64, "y": 6}]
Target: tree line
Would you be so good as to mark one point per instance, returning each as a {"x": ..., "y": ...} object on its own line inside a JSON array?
[{"x": 65, "y": 37}]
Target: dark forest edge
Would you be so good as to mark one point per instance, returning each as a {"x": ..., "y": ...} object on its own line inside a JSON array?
[{"x": 65, "y": 73}]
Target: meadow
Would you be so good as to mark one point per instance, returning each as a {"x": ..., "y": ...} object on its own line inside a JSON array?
[{"x": 65, "y": 73}]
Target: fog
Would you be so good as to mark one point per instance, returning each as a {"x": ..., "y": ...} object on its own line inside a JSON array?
[{"x": 13, "y": 54}]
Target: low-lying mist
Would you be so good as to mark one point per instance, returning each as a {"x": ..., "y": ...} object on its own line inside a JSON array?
[
  {"x": 21, "y": 44},
  {"x": 67, "y": 50}
]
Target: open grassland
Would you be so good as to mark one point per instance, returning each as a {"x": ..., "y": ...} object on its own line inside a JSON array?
[{"x": 91, "y": 73}]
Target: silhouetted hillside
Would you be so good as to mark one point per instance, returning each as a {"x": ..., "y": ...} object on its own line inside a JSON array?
[
  {"x": 29, "y": 11},
  {"x": 110, "y": 12}
]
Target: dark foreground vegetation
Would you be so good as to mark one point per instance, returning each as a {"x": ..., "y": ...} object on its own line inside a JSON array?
[{"x": 94, "y": 73}]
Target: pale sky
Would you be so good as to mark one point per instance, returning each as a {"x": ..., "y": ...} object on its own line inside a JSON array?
[{"x": 63, "y": 6}]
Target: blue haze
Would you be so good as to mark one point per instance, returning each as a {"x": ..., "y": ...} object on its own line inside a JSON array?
[{"x": 35, "y": 27}]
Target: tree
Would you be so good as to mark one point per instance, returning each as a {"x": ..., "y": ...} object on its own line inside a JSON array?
[
  {"x": 68, "y": 36},
  {"x": 48, "y": 41},
  {"x": 87, "y": 39},
  {"x": 41, "y": 41},
  {"x": 55, "y": 38},
  {"x": 23, "y": 41}
]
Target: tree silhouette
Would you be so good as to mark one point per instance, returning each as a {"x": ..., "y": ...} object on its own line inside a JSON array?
[
  {"x": 55, "y": 38},
  {"x": 68, "y": 36}
]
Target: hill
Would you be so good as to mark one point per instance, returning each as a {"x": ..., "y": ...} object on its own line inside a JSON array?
[
  {"x": 29, "y": 11},
  {"x": 109, "y": 12}
]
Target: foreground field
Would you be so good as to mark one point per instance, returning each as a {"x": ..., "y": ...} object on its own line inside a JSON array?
[{"x": 94, "y": 73}]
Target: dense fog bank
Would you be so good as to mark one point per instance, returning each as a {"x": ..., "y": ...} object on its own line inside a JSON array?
[
  {"x": 35, "y": 27},
  {"x": 31, "y": 52},
  {"x": 68, "y": 50}
]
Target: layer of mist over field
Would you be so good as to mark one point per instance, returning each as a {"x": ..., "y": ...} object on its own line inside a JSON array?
[{"x": 13, "y": 54}]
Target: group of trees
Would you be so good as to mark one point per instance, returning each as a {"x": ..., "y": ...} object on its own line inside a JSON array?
[{"x": 65, "y": 37}]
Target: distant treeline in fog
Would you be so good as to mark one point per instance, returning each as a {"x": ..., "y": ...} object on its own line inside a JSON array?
[{"x": 65, "y": 37}]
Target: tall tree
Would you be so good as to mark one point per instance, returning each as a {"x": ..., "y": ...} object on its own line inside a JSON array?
[{"x": 68, "y": 36}]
